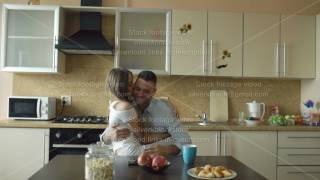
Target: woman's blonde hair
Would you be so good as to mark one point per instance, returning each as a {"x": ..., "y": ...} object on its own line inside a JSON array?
[{"x": 118, "y": 82}]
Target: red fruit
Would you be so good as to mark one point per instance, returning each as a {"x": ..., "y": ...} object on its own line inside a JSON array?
[
  {"x": 144, "y": 160},
  {"x": 154, "y": 155},
  {"x": 159, "y": 161}
]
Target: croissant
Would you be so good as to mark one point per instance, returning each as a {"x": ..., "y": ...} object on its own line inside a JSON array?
[
  {"x": 197, "y": 170},
  {"x": 203, "y": 173},
  {"x": 218, "y": 174},
  {"x": 226, "y": 173}
]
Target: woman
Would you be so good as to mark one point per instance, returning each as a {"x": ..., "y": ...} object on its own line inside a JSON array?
[{"x": 123, "y": 113}]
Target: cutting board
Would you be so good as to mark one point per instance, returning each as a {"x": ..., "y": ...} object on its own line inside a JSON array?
[{"x": 218, "y": 106}]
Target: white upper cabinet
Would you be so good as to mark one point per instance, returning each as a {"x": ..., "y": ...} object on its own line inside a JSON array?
[
  {"x": 298, "y": 39},
  {"x": 225, "y": 43},
  {"x": 189, "y": 43},
  {"x": 207, "y": 44},
  {"x": 142, "y": 40},
  {"x": 274, "y": 48},
  {"x": 29, "y": 35},
  {"x": 261, "y": 45}
]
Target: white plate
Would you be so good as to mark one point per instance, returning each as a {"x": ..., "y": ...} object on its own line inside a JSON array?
[{"x": 233, "y": 175}]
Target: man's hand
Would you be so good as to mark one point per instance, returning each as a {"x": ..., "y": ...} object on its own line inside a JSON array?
[
  {"x": 118, "y": 134},
  {"x": 163, "y": 149}
]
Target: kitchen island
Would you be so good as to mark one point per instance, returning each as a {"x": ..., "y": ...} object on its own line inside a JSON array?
[{"x": 67, "y": 167}]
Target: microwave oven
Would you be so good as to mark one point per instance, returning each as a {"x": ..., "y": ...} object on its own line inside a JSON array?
[{"x": 31, "y": 107}]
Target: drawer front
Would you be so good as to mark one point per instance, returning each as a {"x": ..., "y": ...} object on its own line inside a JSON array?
[
  {"x": 298, "y": 172},
  {"x": 299, "y": 156},
  {"x": 299, "y": 139}
]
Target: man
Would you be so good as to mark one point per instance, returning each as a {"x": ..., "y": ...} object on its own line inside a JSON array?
[{"x": 158, "y": 119}]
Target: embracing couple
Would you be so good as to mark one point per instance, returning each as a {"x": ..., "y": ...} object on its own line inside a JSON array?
[{"x": 138, "y": 122}]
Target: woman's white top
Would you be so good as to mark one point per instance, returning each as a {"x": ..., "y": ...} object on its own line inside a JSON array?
[{"x": 129, "y": 146}]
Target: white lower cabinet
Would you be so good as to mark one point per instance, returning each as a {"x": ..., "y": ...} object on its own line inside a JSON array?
[
  {"x": 23, "y": 152},
  {"x": 298, "y": 155},
  {"x": 208, "y": 142},
  {"x": 256, "y": 149},
  {"x": 298, "y": 172}
]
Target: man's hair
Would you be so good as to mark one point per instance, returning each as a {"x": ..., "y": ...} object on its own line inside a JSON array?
[{"x": 148, "y": 76}]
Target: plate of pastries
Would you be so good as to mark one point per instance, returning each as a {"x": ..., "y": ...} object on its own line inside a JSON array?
[{"x": 212, "y": 172}]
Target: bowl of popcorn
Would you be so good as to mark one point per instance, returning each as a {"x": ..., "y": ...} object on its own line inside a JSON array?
[{"x": 212, "y": 172}]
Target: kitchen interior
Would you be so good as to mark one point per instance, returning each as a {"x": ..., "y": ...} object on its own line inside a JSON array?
[{"x": 216, "y": 61}]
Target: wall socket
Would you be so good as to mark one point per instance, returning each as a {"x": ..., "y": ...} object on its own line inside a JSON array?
[{"x": 67, "y": 99}]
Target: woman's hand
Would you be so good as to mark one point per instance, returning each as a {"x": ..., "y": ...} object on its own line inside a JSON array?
[{"x": 119, "y": 134}]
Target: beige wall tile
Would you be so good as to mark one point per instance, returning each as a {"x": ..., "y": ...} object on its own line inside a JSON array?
[{"x": 85, "y": 82}]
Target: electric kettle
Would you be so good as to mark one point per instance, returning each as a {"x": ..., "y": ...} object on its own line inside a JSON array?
[{"x": 256, "y": 110}]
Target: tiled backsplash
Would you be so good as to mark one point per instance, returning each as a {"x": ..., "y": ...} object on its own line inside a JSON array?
[{"x": 85, "y": 78}]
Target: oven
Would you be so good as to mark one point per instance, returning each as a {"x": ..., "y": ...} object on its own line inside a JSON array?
[{"x": 71, "y": 140}]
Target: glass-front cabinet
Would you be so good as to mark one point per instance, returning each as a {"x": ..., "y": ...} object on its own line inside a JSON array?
[
  {"x": 29, "y": 35},
  {"x": 142, "y": 40}
]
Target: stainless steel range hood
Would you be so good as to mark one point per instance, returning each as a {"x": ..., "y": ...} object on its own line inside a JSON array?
[{"x": 89, "y": 39}]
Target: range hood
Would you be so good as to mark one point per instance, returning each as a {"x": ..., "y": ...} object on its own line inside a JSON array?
[{"x": 89, "y": 39}]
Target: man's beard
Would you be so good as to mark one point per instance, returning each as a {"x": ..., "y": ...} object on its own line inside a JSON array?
[{"x": 142, "y": 101}]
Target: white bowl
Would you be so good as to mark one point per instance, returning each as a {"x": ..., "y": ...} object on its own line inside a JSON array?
[{"x": 252, "y": 122}]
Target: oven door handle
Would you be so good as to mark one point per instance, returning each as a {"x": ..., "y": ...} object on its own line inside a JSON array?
[{"x": 70, "y": 146}]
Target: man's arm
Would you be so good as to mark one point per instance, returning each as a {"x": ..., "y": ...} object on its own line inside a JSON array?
[
  {"x": 179, "y": 135},
  {"x": 152, "y": 137},
  {"x": 164, "y": 149}
]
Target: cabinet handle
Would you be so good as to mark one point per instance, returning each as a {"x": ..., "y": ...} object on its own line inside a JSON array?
[
  {"x": 303, "y": 137},
  {"x": 217, "y": 148},
  {"x": 284, "y": 58},
  {"x": 211, "y": 56},
  {"x": 225, "y": 144},
  {"x": 54, "y": 53},
  {"x": 46, "y": 149},
  {"x": 203, "y": 58},
  {"x": 277, "y": 59},
  {"x": 303, "y": 154},
  {"x": 305, "y": 172}
]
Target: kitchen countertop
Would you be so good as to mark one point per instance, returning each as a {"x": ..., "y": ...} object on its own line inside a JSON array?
[
  {"x": 192, "y": 126},
  {"x": 47, "y": 124},
  {"x": 66, "y": 167}
]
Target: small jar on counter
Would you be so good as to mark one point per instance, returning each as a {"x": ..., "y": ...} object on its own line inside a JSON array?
[{"x": 99, "y": 162}]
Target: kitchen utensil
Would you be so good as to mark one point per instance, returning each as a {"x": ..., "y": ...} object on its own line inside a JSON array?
[
  {"x": 218, "y": 106},
  {"x": 252, "y": 122},
  {"x": 256, "y": 110},
  {"x": 241, "y": 117}
]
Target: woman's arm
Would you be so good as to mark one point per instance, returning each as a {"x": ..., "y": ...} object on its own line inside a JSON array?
[{"x": 137, "y": 129}]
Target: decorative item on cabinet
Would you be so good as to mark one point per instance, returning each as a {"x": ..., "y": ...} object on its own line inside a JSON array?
[
  {"x": 225, "y": 54},
  {"x": 33, "y": 2},
  {"x": 185, "y": 28}
]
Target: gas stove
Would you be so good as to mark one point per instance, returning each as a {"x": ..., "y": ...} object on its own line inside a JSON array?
[{"x": 81, "y": 119}]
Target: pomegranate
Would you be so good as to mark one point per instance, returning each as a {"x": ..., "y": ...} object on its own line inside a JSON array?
[
  {"x": 144, "y": 160},
  {"x": 154, "y": 155},
  {"x": 158, "y": 162}
]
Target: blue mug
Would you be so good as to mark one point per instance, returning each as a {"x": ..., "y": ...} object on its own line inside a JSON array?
[{"x": 189, "y": 153}]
